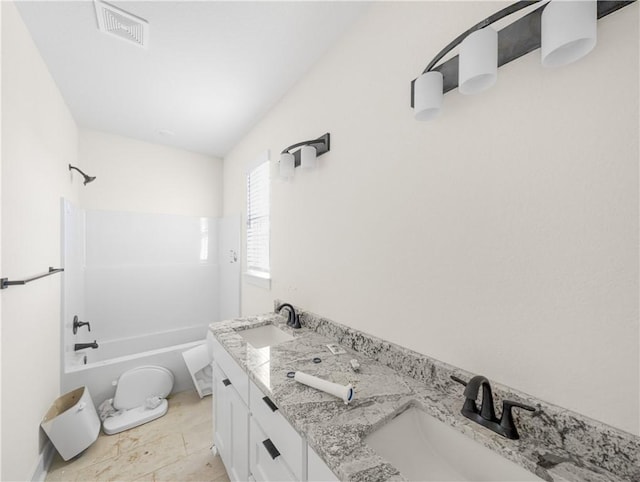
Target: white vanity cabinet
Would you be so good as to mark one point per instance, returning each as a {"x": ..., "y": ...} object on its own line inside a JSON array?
[{"x": 253, "y": 438}]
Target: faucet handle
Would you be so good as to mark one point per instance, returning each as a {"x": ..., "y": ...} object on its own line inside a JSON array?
[
  {"x": 77, "y": 324},
  {"x": 459, "y": 380},
  {"x": 469, "y": 403},
  {"x": 506, "y": 419},
  {"x": 508, "y": 404}
]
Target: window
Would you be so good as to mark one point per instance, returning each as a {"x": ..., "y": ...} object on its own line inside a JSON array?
[{"x": 258, "y": 224}]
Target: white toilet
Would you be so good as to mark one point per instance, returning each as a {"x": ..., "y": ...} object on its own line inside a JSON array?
[{"x": 137, "y": 390}]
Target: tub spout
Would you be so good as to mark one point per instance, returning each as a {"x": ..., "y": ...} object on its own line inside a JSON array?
[{"x": 82, "y": 346}]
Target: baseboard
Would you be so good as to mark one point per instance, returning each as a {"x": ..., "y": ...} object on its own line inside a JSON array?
[{"x": 44, "y": 462}]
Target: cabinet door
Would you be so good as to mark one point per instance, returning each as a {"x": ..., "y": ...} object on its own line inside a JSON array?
[
  {"x": 213, "y": 404},
  {"x": 238, "y": 468},
  {"x": 266, "y": 462},
  {"x": 292, "y": 447},
  {"x": 231, "y": 432},
  {"x": 221, "y": 423}
]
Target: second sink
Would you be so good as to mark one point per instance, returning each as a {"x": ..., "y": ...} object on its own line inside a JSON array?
[
  {"x": 424, "y": 448},
  {"x": 267, "y": 335}
]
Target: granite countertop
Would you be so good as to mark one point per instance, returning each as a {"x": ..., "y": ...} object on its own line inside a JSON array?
[{"x": 336, "y": 431}]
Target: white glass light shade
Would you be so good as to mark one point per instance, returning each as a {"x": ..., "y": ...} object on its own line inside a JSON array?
[
  {"x": 308, "y": 157},
  {"x": 427, "y": 95},
  {"x": 287, "y": 165},
  {"x": 568, "y": 31},
  {"x": 478, "y": 61}
]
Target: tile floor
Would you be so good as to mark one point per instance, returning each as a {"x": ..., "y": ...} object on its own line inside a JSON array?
[{"x": 176, "y": 447}]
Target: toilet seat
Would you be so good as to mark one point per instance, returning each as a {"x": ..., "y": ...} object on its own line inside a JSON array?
[{"x": 135, "y": 387}]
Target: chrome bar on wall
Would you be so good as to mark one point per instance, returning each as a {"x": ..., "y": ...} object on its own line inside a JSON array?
[{"x": 5, "y": 283}]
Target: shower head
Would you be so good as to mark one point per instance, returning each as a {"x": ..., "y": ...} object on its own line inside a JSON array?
[{"x": 87, "y": 179}]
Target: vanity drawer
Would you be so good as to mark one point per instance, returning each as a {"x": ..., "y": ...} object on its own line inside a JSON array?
[
  {"x": 265, "y": 462},
  {"x": 236, "y": 375},
  {"x": 290, "y": 444}
]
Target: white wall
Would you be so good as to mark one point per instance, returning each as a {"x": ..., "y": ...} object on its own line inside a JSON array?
[
  {"x": 501, "y": 238},
  {"x": 137, "y": 176},
  {"x": 39, "y": 139}
]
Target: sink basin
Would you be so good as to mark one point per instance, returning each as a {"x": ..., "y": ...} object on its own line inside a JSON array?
[
  {"x": 424, "y": 448},
  {"x": 267, "y": 335}
]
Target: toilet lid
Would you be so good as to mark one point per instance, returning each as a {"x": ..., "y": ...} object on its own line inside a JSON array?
[{"x": 135, "y": 386}]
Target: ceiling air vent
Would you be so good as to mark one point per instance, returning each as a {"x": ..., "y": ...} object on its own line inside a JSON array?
[{"x": 124, "y": 25}]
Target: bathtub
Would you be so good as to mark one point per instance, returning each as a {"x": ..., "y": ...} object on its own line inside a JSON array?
[{"x": 106, "y": 363}]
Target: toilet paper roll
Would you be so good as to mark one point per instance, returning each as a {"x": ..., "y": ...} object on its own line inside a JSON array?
[{"x": 341, "y": 391}]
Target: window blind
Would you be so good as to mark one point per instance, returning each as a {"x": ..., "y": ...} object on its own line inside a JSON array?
[{"x": 258, "y": 224}]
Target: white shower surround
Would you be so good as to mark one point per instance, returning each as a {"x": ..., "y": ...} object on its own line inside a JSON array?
[{"x": 149, "y": 284}]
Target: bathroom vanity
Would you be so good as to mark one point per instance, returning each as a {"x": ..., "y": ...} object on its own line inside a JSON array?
[
  {"x": 252, "y": 437},
  {"x": 270, "y": 427}
]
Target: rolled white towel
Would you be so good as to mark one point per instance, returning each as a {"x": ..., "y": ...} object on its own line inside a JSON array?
[
  {"x": 346, "y": 393},
  {"x": 106, "y": 409}
]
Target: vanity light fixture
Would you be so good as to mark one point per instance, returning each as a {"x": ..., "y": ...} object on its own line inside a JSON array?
[
  {"x": 308, "y": 156},
  {"x": 478, "y": 65},
  {"x": 287, "y": 165},
  {"x": 565, "y": 30},
  {"x": 427, "y": 95},
  {"x": 87, "y": 178},
  {"x": 568, "y": 31},
  {"x": 305, "y": 156}
]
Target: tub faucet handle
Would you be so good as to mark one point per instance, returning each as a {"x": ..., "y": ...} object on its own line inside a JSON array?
[{"x": 77, "y": 324}]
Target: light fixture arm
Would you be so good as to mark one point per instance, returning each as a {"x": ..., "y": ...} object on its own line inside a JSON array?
[
  {"x": 319, "y": 143},
  {"x": 299, "y": 144},
  {"x": 515, "y": 40},
  {"x": 505, "y": 12}
]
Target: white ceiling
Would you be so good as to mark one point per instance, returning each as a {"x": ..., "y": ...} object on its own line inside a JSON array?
[{"x": 211, "y": 71}]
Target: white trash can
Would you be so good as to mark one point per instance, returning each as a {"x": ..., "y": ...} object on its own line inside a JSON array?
[
  {"x": 72, "y": 423},
  {"x": 198, "y": 363}
]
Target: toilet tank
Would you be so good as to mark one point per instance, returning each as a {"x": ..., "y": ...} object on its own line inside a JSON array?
[
  {"x": 135, "y": 386},
  {"x": 72, "y": 423}
]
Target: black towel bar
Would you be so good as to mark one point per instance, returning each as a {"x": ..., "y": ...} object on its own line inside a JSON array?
[{"x": 5, "y": 283}]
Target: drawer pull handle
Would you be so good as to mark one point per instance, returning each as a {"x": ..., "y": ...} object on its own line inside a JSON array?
[
  {"x": 273, "y": 451},
  {"x": 270, "y": 404},
  {"x": 226, "y": 382}
]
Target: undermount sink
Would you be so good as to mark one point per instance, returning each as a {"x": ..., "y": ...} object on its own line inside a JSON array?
[
  {"x": 267, "y": 335},
  {"x": 424, "y": 448}
]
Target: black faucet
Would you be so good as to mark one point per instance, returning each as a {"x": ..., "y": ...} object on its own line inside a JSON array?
[
  {"x": 487, "y": 415},
  {"x": 77, "y": 324},
  {"x": 82, "y": 346},
  {"x": 293, "y": 319}
]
